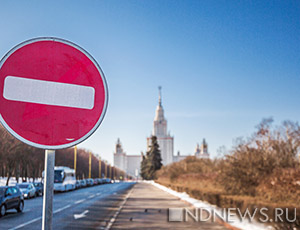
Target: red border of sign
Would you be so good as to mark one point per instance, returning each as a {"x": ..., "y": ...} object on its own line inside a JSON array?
[{"x": 11, "y": 131}]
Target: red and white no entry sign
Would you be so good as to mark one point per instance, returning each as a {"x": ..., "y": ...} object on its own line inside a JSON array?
[{"x": 53, "y": 94}]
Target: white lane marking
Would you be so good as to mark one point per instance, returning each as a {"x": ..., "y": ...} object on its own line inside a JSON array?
[
  {"x": 79, "y": 201},
  {"x": 113, "y": 219},
  {"x": 61, "y": 209},
  {"x": 38, "y": 218},
  {"x": 78, "y": 216},
  {"x": 26, "y": 223},
  {"x": 91, "y": 196},
  {"x": 48, "y": 92}
]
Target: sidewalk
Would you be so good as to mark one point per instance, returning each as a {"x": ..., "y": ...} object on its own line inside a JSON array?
[{"x": 147, "y": 208}]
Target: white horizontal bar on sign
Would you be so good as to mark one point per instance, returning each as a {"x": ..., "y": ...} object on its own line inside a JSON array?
[{"x": 48, "y": 92}]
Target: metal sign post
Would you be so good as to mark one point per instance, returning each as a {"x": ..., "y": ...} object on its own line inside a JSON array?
[
  {"x": 75, "y": 158},
  {"x": 48, "y": 190}
]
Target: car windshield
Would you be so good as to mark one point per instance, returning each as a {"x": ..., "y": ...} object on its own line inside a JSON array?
[
  {"x": 2, "y": 191},
  {"x": 23, "y": 185},
  {"x": 58, "y": 176}
]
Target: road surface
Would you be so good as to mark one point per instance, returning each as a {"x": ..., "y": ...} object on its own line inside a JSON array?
[
  {"x": 93, "y": 207},
  {"x": 109, "y": 207}
]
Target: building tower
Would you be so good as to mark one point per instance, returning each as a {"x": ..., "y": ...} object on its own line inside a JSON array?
[
  {"x": 197, "y": 151},
  {"x": 120, "y": 156},
  {"x": 127, "y": 163},
  {"x": 204, "y": 148},
  {"x": 165, "y": 140},
  {"x": 202, "y": 152}
]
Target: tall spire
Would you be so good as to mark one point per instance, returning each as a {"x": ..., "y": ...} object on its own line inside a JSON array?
[
  {"x": 119, "y": 146},
  {"x": 159, "y": 114},
  {"x": 160, "y": 123},
  {"x": 159, "y": 97}
]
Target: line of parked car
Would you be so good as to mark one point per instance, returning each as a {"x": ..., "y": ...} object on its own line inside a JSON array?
[
  {"x": 91, "y": 182},
  {"x": 12, "y": 197}
]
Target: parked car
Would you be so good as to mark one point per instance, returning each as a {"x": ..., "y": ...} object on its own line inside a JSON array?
[
  {"x": 102, "y": 181},
  {"x": 107, "y": 181},
  {"x": 39, "y": 187},
  {"x": 28, "y": 190},
  {"x": 10, "y": 198},
  {"x": 83, "y": 183},
  {"x": 96, "y": 181},
  {"x": 78, "y": 184},
  {"x": 90, "y": 182}
]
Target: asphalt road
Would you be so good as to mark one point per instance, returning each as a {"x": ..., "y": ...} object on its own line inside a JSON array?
[{"x": 87, "y": 208}]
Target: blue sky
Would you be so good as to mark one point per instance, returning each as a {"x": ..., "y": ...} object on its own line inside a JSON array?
[{"x": 223, "y": 65}]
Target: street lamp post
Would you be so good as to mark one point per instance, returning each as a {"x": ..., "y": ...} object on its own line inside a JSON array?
[
  {"x": 100, "y": 176},
  {"x": 90, "y": 165},
  {"x": 110, "y": 172},
  {"x": 75, "y": 158}
]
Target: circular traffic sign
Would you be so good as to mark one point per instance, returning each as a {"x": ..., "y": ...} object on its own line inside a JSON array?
[{"x": 53, "y": 94}]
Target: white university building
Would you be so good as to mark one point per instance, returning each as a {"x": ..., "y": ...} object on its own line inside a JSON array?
[
  {"x": 128, "y": 163},
  {"x": 164, "y": 139},
  {"x": 131, "y": 163}
]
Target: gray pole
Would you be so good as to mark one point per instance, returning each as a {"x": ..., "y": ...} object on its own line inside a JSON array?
[{"x": 48, "y": 190}]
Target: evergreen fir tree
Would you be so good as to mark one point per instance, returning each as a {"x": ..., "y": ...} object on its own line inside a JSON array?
[
  {"x": 143, "y": 167},
  {"x": 152, "y": 161}
]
